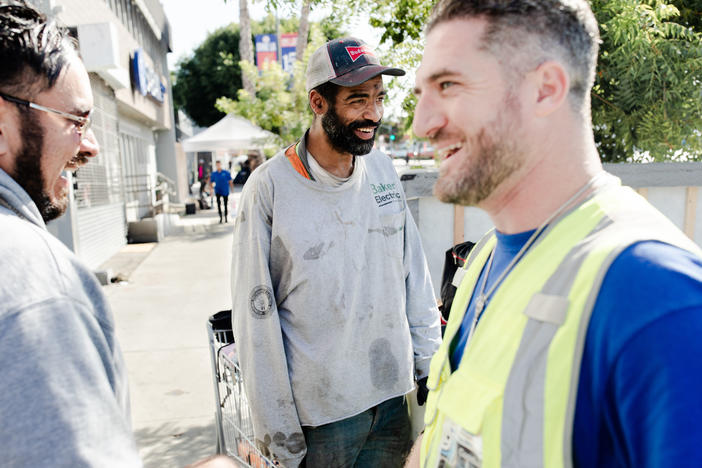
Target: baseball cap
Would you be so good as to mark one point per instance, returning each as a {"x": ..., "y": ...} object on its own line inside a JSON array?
[{"x": 347, "y": 62}]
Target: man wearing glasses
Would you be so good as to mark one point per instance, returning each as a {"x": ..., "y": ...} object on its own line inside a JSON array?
[{"x": 63, "y": 391}]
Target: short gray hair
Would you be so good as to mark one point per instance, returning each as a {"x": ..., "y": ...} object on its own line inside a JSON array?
[{"x": 522, "y": 34}]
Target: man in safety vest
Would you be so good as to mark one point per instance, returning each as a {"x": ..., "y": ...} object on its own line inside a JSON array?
[{"x": 574, "y": 337}]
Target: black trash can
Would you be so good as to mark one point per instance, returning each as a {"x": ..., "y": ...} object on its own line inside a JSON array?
[{"x": 221, "y": 323}]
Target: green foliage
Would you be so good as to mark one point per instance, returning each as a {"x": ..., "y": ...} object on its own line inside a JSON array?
[
  {"x": 690, "y": 13},
  {"x": 288, "y": 11},
  {"x": 400, "y": 19},
  {"x": 280, "y": 104},
  {"x": 331, "y": 27},
  {"x": 647, "y": 99},
  {"x": 210, "y": 72},
  {"x": 267, "y": 25}
]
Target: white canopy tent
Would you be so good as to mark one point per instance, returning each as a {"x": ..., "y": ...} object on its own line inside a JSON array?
[{"x": 232, "y": 133}]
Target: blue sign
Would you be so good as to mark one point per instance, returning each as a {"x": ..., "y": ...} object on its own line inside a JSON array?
[
  {"x": 288, "y": 44},
  {"x": 146, "y": 81},
  {"x": 266, "y": 49}
]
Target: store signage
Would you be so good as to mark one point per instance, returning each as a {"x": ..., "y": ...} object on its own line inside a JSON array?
[
  {"x": 288, "y": 45},
  {"x": 266, "y": 49},
  {"x": 146, "y": 81}
]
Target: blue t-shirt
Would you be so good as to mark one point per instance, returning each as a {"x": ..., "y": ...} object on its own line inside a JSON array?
[
  {"x": 639, "y": 400},
  {"x": 221, "y": 180}
]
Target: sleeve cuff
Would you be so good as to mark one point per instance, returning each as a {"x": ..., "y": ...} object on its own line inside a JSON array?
[{"x": 421, "y": 368}]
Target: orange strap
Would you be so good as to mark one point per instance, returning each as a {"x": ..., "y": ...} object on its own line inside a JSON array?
[{"x": 296, "y": 162}]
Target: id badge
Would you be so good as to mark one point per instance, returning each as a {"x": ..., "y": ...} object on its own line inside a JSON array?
[{"x": 459, "y": 448}]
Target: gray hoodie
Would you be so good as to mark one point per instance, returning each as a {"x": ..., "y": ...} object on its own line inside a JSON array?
[
  {"x": 63, "y": 390},
  {"x": 334, "y": 311}
]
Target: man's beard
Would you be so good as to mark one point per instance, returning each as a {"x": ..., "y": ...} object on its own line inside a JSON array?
[
  {"x": 342, "y": 137},
  {"x": 28, "y": 173},
  {"x": 490, "y": 158}
]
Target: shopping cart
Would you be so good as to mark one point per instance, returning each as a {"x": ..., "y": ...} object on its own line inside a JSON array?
[{"x": 234, "y": 427}]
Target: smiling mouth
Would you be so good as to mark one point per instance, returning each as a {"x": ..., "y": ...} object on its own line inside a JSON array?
[
  {"x": 76, "y": 162},
  {"x": 448, "y": 151},
  {"x": 366, "y": 129}
]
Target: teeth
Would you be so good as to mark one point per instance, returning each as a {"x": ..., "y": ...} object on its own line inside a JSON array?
[
  {"x": 443, "y": 152},
  {"x": 366, "y": 129}
]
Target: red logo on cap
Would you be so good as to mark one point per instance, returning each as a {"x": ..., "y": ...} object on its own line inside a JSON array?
[{"x": 356, "y": 52}]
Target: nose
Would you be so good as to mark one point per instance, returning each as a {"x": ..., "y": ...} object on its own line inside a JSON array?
[
  {"x": 374, "y": 112},
  {"x": 89, "y": 144},
  {"x": 428, "y": 117}
]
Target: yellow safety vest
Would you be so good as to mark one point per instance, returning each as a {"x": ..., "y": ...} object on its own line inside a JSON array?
[{"x": 511, "y": 402}]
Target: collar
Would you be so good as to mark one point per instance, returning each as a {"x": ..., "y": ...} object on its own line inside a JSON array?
[{"x": 297, "y": 155}]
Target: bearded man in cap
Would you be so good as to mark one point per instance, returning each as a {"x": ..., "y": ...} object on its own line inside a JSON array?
[{"x": 334, "y": 312}]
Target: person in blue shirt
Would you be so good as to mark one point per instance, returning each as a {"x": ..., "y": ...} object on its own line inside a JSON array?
[
  {"x": 503, "y": 94},
  {"x": 222, "y": 181}
]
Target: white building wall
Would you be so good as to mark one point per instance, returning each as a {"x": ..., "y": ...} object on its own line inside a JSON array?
[
  {"x": 675, "y": 189},
  {"x": 668, "y": 200},
  {"x": 127, "y": 124}
]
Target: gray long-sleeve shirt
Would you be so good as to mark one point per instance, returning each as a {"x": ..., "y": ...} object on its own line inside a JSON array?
[
  {"x": 334, "y": 311},
  {"x": 63, "y": 385}
]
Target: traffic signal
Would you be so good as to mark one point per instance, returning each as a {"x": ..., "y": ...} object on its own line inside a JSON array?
[{"x": 392, "y": 137}]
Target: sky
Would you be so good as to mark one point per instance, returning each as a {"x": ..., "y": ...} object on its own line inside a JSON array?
[{"x": 191, "y": 21}]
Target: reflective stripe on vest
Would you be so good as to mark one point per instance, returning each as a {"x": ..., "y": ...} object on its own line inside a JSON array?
[{"x": 515, "y": 387}]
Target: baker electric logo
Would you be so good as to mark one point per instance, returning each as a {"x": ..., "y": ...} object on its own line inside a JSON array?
[
  {"x": 385, "y": 194},
  {"x": 356, "y": 52}
]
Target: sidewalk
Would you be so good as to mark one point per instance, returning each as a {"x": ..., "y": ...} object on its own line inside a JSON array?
[{"x": 160, "y": 311}]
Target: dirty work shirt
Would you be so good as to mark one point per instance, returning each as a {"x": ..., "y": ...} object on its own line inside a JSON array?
[
  {"x": 334, "y": 310},
  {"x": 63, "y": 389},
  {"x": 221, "y": 180}
]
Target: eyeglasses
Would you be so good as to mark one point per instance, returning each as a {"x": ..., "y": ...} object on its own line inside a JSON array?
[{"x": 82, "y": 124}]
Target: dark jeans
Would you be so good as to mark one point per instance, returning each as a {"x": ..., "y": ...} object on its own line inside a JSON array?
[
  {"x": 378, "y": 437},
  {"x": 219, "y": 208}
]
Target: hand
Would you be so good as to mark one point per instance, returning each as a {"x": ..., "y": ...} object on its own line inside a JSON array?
[{"x": 422, "y": 391}]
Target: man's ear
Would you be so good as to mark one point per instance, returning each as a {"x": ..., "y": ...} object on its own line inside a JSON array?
[
  {"x": 552, "y": 84},
  {"x": 318, "y": 104}
]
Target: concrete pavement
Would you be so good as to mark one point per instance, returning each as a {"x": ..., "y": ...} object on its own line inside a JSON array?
[
  {"x": 161, "y": 309},
  {"x": 160, "y": 312}
]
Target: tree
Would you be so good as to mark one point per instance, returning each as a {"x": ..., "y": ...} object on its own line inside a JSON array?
[
  {"x": 690, "y": 13},
  {"x": 304, "y": 29},
  {"x": 646, "y": 100},
  {"x": 213, "y": 70},
  {"x": 210, "y": 72},
  {"x": 245, "y": 47},
  {"x": 303, "y": 22},
  {"x": 277, "y": 105}
]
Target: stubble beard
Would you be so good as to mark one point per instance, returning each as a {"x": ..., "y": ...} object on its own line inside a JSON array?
[
  {"x": 342, "y": 137},
  {"x": 28, "y": 173},
  {"x": 493, "y": 156}
]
